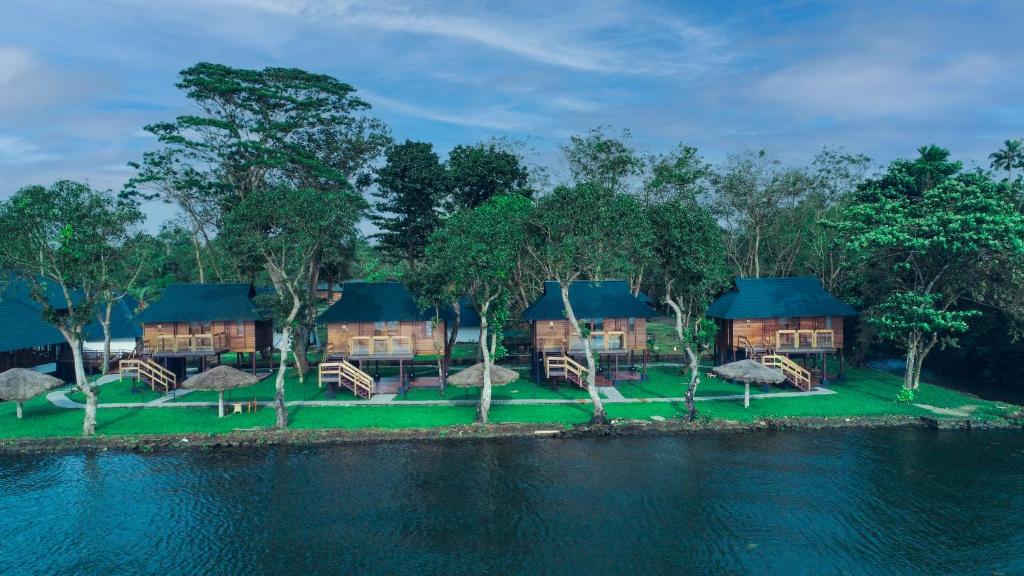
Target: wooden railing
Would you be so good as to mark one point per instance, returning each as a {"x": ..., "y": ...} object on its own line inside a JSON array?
[
  {"x": 179, "y": 343},
  {"x": 380, "y": 346},
  {"x": 347, "y": 375},
  {"x": 804, "y": 339},
  {"x": 600, "y": 340},
  {"x": 148, "y": 372},
  {"x": 795, "y": 373},
  {"x": 565, "y": 367}
]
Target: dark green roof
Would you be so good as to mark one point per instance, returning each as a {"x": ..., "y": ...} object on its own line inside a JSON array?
[
  {"x": 801, "y": 296},
  {"x": 24, "y": 327},
  {"x": 203, "y": 303},
  {"x": 589, "y": 299},
  {"x": 377, "y": 302}
]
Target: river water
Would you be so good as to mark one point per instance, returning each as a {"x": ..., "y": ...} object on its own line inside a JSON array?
[{"x": 829, "y": 502}]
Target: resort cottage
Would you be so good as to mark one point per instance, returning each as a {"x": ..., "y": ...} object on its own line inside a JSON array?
[
  {"x": 28, "y": 341},
  {"x": 202, "y": 322},
  {"x": 381, "y": 323},
  {"x": 778, "y": 320},
  {"x": 616, "y": 319}
]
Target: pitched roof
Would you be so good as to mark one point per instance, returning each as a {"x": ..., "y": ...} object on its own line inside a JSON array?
[
  {"x": 778, "y": 298},
  {"x": 589, "y": 299},
  {"x": 24, "y": 327},
  {"x": 122, "y": 322},
  {"x": 377, "y": 302},
  {"x": 203, "y": 303}
]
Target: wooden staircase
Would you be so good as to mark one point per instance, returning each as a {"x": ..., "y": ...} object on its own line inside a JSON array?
[
  {"x": 148, "y": 372},
  {"x": 795, "y": 374},
  {"x": 565, "y": 368},
  {"x": 348, "y": 375}
]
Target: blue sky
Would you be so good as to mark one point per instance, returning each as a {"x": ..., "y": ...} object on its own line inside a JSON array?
[{"x": 78, "y": 80}]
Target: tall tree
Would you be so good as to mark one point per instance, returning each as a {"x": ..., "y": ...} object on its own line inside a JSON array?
[
  {"x": 285, "y": 228},
  {"x": 411, "y": 186},
  {"x": 756, "y": 199},
  {"x": 475, "y": 252},
  {"x": 482, "y": 171},
  {"x": 583, "y": 232},
  {"x": 690, "y": 254},
  {"x": 932, "y": 231},
  {"x": 604, "y": 160},
  {"x": 60, "y": 241},
  {"x": 1010, "y": 156},
  {"x": 262, "y": 130}
]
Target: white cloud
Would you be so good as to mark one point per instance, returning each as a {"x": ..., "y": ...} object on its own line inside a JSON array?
[
  {"x": 15, "y": 150},
  {"x": 879, "y": 83},
  {"x": 492, "y": 117}
]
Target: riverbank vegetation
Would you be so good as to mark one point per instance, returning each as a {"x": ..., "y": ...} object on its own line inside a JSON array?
[{"x": 274, "y": 171}]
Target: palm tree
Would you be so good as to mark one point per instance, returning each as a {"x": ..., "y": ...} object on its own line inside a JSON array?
[{"x": 1009, "y": 157}]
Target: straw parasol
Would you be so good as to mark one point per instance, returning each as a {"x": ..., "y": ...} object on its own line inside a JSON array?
[
  {"x": 20, "y": 384},
  {"x": 474, "y": 376},
  {"x": 221, "y": 378},
  {"x": 749, "y": 371}
]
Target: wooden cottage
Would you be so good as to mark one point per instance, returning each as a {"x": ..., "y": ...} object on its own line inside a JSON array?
[
  {"x": 329, "y": 292},
  {"x": 203, "y": 321},
  {"x": 380, "y": 321},
  {"x": 29, "y": 341},
  {"x": 617, "y": 321},
  {"x": 778, "y": 316}
]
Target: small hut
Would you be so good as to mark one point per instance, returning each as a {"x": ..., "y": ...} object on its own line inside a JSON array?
[
  {"x": 474, "y": 376},
  {"x": 221, "y": 378},
  {"x": 747, "y": 372},
  {"x": 21, "y": 384}
]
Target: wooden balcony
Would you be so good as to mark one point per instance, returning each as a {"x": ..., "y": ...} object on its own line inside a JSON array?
[
  {"x": 188, "y": 345},
  {"x": 381, "y": 347},
  {"x": 602, "y": 342},
  {"x": 804, "y": 340}
]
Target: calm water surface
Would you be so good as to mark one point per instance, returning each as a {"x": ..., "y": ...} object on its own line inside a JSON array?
[{"x": 862, "y": 502}]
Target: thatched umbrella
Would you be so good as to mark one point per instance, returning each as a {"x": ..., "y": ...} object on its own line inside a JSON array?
[
  {"x": 474, "y": 376},
  {"x": 748, "y": 371},
  {"x": 221, "y": 378},
  {"x": 20, "y": 384}
]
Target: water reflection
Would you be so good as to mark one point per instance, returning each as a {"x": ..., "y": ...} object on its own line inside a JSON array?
[{"x": 856, "y": 502}]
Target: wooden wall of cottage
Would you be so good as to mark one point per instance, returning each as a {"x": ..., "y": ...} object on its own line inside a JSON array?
[
  {"x": 548, "y": 330},
  {"x": 247, "y": 336},
  {"x": 761, "y": 332},
  {"x": 426, "y": 339}
]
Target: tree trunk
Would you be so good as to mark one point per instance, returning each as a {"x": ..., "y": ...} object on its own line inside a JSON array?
[
  {"x": 908, "y": 373},
  {"x": 921, "y": 355},
  {"x": 600, "y": 416},
  {"x": 105, "y": 323},
  {"x": 450, "y": 339},
  {"x": 485, "y": 392},
  {"x": 301, "y": 355},
  {"x": 280, "y": 410},
  {"x": 18, "y": 409},
  {"x": 220, "y": 403},
  {"x": 89, "y": 422},
  {"x": 691, "y": 389},
  {"x": 199, "y": 258}
]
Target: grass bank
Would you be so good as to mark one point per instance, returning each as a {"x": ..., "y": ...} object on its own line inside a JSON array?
[{"x": 864, "y": 394}]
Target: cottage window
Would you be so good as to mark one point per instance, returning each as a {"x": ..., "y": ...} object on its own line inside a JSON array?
[
  {"x": 598, "y": 324},
  {"x": 828, "y": 322},
  {"x": 195, "y": 328},
  {"x": 429, "y": 329},
  {"x": 378, "y": 328},
  {"x": 240, "y": 328},
  {"x": 632, "y": 326},
  {"x": 783, "y": 322},
  {"x": 392, "y": 327}
]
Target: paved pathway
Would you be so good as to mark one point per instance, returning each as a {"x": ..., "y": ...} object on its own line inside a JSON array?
[{"x": 612, "y": 396}]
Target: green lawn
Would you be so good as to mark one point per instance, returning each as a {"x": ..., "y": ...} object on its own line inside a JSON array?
[
  {"x": 664, "y": 331},
  {"x": 865, "y": 393},
  {"x": 120, "y": 391},
  {"x": 522, "y": 389}
]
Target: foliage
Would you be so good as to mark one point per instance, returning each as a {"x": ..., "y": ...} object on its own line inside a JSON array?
[
  {"x": 905, "y": 395},
  {"x": 477, "y": 173},
  {"x": 933, "y": 233},
  {"x": 603, "y": 160},
  {"x": 411, "y": 186}
]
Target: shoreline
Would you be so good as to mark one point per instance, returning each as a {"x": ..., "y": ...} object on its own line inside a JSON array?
[{"x": 244, "y": 439}]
